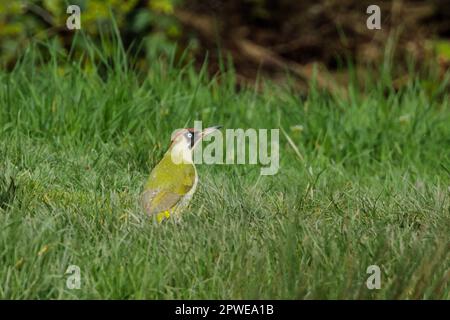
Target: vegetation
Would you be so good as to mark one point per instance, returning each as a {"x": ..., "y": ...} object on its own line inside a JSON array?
[{"x": 364, "y": 180}]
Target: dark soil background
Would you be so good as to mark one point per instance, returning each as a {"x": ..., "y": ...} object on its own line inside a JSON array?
[
  {"x": 262, "y": 37},
  {"x": 298, "y": 34}
]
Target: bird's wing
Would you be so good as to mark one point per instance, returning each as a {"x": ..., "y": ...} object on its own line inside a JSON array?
[
  {"x": 156, "y": 201},
  {"x": 167, "y": 184}
]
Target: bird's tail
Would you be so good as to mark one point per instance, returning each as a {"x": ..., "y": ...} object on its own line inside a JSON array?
[{"x": 162, "y": 215}]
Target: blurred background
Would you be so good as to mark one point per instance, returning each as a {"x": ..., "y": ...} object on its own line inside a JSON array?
[{"x": 264, "y": 38}]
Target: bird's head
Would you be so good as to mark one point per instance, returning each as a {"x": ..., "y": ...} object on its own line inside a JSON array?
[{"x": 185, "y": 140}]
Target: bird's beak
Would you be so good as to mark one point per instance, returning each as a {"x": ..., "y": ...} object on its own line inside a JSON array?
[{"x": 210, "y": 130}]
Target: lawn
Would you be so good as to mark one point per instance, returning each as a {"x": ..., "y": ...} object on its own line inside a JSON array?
[{"x": 364, "y": 179}]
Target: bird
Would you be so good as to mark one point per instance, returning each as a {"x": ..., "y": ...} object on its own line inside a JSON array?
[{"x": 173, "y": 181}]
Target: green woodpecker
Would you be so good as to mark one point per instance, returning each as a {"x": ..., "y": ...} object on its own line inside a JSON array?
[{"x": 173, "y": 180}]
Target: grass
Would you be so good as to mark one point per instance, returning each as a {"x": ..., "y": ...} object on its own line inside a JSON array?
[{"x": 363, "y": 180}]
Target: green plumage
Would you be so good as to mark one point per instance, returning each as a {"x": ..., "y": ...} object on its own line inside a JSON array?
[{"x": 169, "y": 183}]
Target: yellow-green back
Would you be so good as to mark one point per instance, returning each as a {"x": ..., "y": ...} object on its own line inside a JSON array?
[
  {"x": 170, "y": 182},
  {"x": 176, "y": 178}
]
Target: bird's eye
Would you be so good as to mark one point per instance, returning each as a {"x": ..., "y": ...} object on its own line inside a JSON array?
[{"x": 189, "y": 135}]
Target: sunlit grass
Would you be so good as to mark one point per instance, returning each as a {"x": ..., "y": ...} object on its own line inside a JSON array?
[{"x": 364, "y": 180}]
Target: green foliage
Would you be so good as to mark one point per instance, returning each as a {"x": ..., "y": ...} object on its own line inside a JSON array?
[
  {"x": 443, "y": 49},
  {"x": 21, "y": 22},
  {"x": 371, "y": 185}
]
